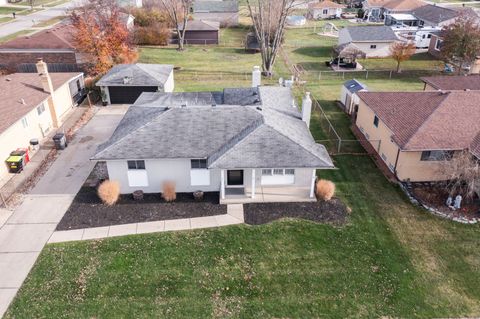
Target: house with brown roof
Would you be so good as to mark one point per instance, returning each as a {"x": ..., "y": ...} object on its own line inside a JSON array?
[
  {"x": 451, "y": 82},
  {"x": 377, "y": 10},
  {"x": 33, "y": 105},
  {"x": 325, "y": 9},
  {"x": 413, "y": 132}
]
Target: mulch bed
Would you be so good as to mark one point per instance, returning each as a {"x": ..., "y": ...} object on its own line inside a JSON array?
[
  {"x": 332, "y": 212},
  {"x": 87, "y": 210}
]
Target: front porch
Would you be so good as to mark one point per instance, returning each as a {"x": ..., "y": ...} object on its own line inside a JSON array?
[{"x": 251, "y": 189}]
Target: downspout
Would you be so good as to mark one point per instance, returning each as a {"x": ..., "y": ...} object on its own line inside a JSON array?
[{"x": 396, "y": 163}]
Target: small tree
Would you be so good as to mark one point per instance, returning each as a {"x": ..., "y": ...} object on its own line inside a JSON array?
[
  {"x": 269, "y": 20},
  {"x": 461, "y": 42},
  {"x": 463, "y": 173},
  {"x": 100, "y": 33},
  {"x": 401, "y": 51},
  {"x": 177, "y": 12}
]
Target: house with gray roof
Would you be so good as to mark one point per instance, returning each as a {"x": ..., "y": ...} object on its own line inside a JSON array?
[
  {"x": 373, "y": 41},
  {"x": 248, "y": 144},
  {"x": 124, "y": 83},
  {"x": 225, "y": 12}
]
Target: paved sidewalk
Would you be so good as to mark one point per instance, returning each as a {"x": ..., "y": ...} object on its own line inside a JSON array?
[
  {"x": 30, "y": 226},
  {"x": 234, "y": 216}
]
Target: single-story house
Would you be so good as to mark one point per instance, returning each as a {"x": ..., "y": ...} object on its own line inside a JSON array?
[
  {"x": 348, "y": 94},
  {"x": 225, "y": 12},
  {"x": 451, "y": 83},
  {"x": 435, "y": 16},
  {"x": 201, "y": 32},
  {"x": 248, "y": 144},
  {"x": 414, "y": 132},
  {"x": 374, "y": 41},
  {"x": 32, "y": 105},
  {"x": 325, "y": 9},
  {"x": 124, "y": 83},
  {"x": 378, "y": 10}
]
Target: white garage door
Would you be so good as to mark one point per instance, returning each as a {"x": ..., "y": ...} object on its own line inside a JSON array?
[{"x": 278, "y": 176}]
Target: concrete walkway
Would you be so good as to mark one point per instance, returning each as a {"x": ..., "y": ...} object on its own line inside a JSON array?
[
  {"x": 29, "y": 21},
  {"x": 29, "y": 227},
  {"x": 234, "y": 216}
]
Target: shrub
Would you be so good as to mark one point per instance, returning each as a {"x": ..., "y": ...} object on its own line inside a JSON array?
[
  {"x": 109, "y": 192},
  {"x": 152, "y": 35},
  {"x": 169, "y": 193},
  {"x": 325, "y": 189}
]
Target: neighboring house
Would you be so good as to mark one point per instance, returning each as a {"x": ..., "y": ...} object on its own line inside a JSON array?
[
  {"x": 378, "y": 10},
  {"x": 435, "y": 16},
  {"x": 129, "y": 3},
  {"x": 325, "y": 9},
  {"x": 225, "y": 12},
  {"x": 348, "y": 95},
  {"x": 33, "y": 105},
  {"x": 201, "y": 32},
  {"x": 249, "y": 144},
  {"x": 413, "y": 132},
  {"x": 435, "y": 45},
  {"x": 124, "y": 83},
  {"x": 451, "y": 83},
  {"x": 373, "y": 41},
  {"x": 55, "y": 46}
]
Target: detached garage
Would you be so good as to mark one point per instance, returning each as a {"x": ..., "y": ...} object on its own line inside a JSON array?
[
  {"x": 201, "y": 32},
  {"x": 124, "y": 83}
]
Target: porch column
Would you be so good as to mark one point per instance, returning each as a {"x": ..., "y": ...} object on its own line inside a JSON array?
[
  {"x": 312, "y": 185},
  {"x": 253, "y": 183},
  {"x": 222, "y": 184}
]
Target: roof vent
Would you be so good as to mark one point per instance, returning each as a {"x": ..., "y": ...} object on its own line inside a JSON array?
[
  {"x": 467, "y": 90},
  {"x": 8, "y": 79},
  {"x": 127, "y": 79},
  {"x": 259, "y": 108},
  {"x": 22, "y": 101},
  {"x": 214, "y": 105}
]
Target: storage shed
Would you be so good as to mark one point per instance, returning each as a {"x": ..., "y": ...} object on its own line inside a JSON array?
[
  {"x": 201, "y": 32},
  {"x": 348, "y": 95},
  {"x": 124, "y": 83}
]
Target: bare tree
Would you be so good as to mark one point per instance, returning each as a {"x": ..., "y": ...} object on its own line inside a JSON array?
[
  {"x": 178, "y": 11},
  {"x": 463, "y": 173},
  {"x": 461, "y": 42},
  {"x": 401, "y": 51},
  {"x": 269, "y": 20}
]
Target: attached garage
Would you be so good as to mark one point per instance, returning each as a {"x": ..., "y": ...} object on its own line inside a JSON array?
[
  {"x": 124, "y": 83},
  {"x": 128, "y": 94}
]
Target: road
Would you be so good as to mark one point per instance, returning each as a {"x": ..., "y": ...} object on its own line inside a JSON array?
[
  {"x": 30, "y": 226},
  {"x": 27, "y": 22}
]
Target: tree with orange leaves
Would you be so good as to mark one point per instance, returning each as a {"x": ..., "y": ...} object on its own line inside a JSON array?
[{"x": 100, "y": 33}]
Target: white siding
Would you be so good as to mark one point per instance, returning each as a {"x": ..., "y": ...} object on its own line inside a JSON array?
[{"x": 381, "y": 51}]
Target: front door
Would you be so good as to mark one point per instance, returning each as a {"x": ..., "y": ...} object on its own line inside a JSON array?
[{"x": 235, "y": 178}]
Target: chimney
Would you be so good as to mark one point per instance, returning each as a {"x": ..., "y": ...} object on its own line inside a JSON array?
[
  {"x": 42, "y": 71},
  {"x": 256, "y": 77},
  {"x": 306, "y": 108}
]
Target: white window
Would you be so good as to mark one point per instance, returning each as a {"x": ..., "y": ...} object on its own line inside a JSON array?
[
  {"x": 41, "y": 109},
  {"x": 137, "y": 174},
  {"x": 199, "y": 174},
  {"x": 325, "y": 11},
  {"x": 25, "y": 122},
  {"x": 438, "y": 44},
  {"x": 278, "y": 176}
]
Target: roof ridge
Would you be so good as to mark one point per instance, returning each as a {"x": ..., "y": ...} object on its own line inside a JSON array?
[
  {"x": 281, "y": 133},
  {"x": 242, "y": 135},
  {"x": 429, "y": 117},
  {"x": 134, "y": 130}
]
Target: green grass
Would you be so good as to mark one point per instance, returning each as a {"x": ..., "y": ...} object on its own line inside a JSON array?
[
  {"x": 5, "y": 19},
  {"x": 28, "y": 11},
  {"x": 7, "y": 10}
]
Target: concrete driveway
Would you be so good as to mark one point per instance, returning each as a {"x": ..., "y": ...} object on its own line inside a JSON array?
[{"x": 29, "y": 227}]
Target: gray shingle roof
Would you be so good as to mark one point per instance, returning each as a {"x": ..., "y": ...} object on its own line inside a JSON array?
[
  {"x": 435, "y": 14},
  {"x": 354, "y": 86},
  {"x": 216, "y": 6},
  {"x": 201, "y": 25},
  {"x": 138, "y": 74},
  {"x": 370, "y": 33},
  {"x": 269, "y": 133}
]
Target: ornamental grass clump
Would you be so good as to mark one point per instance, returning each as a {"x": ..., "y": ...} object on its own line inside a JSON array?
[
  {"x": 169, "y": 194},
  {"x": 109, "y": 192},
  {"x": 325, "y": 189}
]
